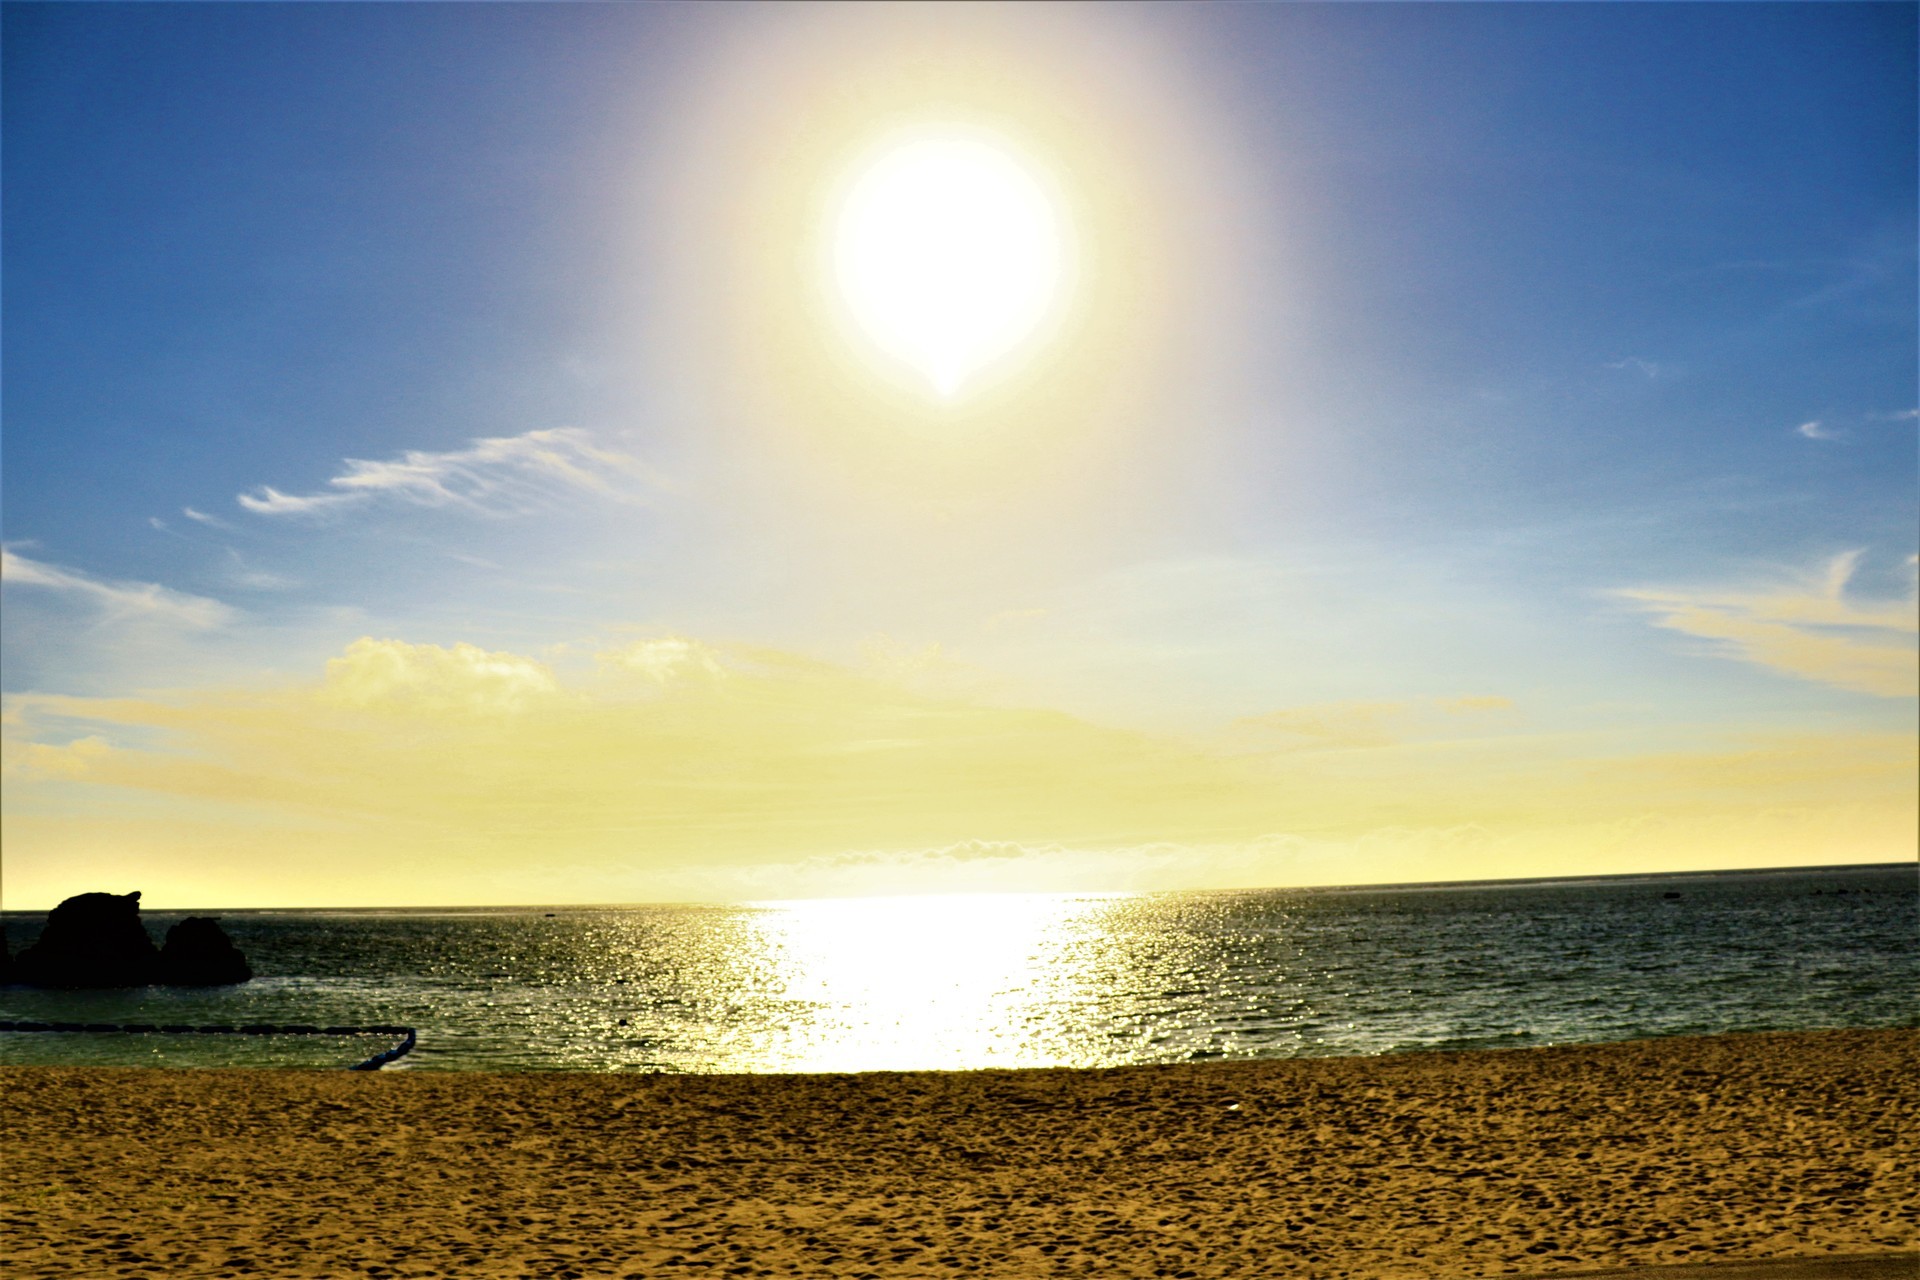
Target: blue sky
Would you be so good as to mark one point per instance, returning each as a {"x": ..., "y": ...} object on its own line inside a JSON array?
[{"x": 1519, "y": 349}]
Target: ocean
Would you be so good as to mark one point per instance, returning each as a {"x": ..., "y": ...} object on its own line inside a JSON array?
[{"x": 1030, "y": 980}]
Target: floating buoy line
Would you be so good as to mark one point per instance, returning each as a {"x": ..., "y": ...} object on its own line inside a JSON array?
[{"x": 377, "y": 1061}]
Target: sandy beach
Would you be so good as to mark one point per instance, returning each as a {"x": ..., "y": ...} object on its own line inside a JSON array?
[{"x": 1720, "y": 1149}]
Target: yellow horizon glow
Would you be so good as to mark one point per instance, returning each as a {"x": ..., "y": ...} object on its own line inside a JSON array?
[
  {"x": 948, "y": 253},
  {"x": 672, "y": 770}
]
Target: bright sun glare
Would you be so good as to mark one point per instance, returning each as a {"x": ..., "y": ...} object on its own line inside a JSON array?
[{"x": 949, "y": 253}]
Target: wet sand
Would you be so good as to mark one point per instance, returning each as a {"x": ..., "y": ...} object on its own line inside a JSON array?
[{"x": 1725, "y": 1149}]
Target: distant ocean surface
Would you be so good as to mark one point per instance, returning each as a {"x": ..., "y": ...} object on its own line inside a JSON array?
[{"x": 1032, "y": 980}]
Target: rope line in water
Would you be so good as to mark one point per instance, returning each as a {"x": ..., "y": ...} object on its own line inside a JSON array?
[{"x": 374, "y": 1063}]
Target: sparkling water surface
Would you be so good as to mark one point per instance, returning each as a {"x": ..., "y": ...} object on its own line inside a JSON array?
[{"x": 1031, "y": 980}]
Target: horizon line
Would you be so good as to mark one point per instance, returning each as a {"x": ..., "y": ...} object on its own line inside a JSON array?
[{"x": 1494, "y": 883}]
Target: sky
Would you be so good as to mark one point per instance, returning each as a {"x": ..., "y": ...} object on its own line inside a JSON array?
[{"x": 440, "y": 465}]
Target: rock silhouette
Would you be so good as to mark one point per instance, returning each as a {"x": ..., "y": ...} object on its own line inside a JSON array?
[
  {"x": 97, "y": 940},
  {"x": 198, "y": 953},
  {"x": 92, "y": 940}
]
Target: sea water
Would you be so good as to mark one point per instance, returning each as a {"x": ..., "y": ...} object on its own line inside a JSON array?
[{"x": 1031, "y": 980}]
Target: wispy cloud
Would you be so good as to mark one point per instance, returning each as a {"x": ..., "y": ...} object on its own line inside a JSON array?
[
  {"x": 1812, "y": 628},
  {"x": 201, "y": 517},
  {"x": 497, "y": 475},
  {"x": 115, "y": 600},
  {"x": 1648, "y": 368},
  {"x": 1825, "y": 429},
  {"x": 251, "y": 578},
  {"x": 269, "y": 501}
]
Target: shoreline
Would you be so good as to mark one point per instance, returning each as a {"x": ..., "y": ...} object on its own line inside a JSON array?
[
  {"x": 1561, "y": 1160},
  {"x": 414, "y": 1066}
]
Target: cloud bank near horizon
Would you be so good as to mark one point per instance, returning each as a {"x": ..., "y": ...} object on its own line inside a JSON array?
[{"x": 670, "y": 768}]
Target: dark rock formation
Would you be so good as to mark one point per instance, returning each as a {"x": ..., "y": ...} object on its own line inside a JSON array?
[
  {"x": 97, "y": 940},
  {"x": 93, "y": 940},
  {"x": 198, "y": 953}
]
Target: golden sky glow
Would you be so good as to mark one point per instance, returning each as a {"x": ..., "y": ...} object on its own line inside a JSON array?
[{"x": 667, "y": 767}]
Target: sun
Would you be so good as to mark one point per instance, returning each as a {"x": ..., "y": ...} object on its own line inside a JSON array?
[{"x": 949, "y": 253}]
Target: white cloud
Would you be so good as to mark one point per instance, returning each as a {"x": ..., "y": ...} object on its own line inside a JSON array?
[
  {"x": 395, "y": 675},
  {"x": 1811, "y": 628},
  {"x": 202, "y": 517},
  {"x": 244, "y": 575},
  {"x": 497, "y": 475},
  {"x": 269, "y": 501},
  {"x": 117, "y": 600},
  {"x": 1821, "y": 429},
  {"x": 1648, "y": 368},
  {"x": 666, "y": 659}
]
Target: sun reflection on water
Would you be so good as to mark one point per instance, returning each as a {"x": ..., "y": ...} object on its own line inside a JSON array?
[{"x": 955, "y": 981}]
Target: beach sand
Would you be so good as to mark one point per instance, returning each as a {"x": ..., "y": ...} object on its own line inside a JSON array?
[{"x": 1523, "y": 1162}]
